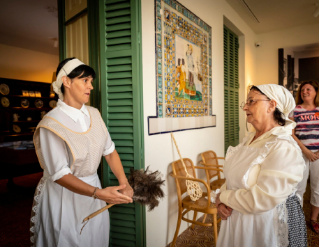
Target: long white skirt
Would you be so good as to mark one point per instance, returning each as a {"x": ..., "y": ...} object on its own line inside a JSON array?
[{"x": 59, "y": 213}]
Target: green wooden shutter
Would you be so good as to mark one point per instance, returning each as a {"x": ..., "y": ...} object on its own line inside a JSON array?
[
  {"x": 231, "y": 88},
  {"x": 121, "y": 96}
]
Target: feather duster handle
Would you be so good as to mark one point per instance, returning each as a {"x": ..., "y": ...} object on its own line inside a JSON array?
[
  {"x": 147, "y": 190},
  {"x": 193, "y": 189}
]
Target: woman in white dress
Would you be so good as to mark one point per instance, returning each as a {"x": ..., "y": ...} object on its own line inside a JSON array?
[
  {"x": 70, "y": 141},
  {"x": 258, "y": 204}
]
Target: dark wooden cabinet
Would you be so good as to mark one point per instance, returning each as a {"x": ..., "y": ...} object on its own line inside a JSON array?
[{"x": 29, "y": 117}]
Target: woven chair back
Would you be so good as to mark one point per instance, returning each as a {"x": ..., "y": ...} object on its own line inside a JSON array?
[
  {"x": 210, "y": 158},
  {"x": 178, "y": 169}
]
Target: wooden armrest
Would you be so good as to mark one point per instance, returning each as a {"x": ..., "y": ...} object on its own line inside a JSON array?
[
  {"x": 221, "y": 158},
  {"x": 192, "y": 179},
  {"x": 208, "y": 168},
  {"x": 205, "y": 164}
]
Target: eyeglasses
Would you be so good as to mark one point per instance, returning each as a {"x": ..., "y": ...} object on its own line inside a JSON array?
[{"x": 251, "y": 102}]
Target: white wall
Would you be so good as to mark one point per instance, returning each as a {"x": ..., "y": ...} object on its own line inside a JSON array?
[
  {"x": 22, "y": 64},
  {"x": 267, "y": 53},
  {"x": 159, "y": 149}
]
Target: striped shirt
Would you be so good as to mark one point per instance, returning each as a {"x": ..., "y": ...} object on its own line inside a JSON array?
[{"x": 307, "y": 128}]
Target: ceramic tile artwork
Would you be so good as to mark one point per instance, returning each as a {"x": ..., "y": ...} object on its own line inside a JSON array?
[{"x": 183, "y": 62}]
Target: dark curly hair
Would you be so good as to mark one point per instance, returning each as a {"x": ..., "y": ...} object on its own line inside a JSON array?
[{"x": 278, "y": 115}]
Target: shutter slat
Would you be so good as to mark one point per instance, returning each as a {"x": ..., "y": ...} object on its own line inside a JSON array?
[
  {"x": 123, "y": 230},
  {"x": 126, "y": 95},
  {"x": 120, "y": 102},
  {"x": 118, "y": 6},
  {"x": 119, "y": 75},
  {"x": 118, "y": 47},
  {"x": 117, "y": 34},
  {"x": 118, "y": 27},
  {"x": 118, "y": 41},
  {"x": 116, "y": 89},
  {"x": 117, "y": 13},
  {"x": 116, "y": 82},
  {"x": 120, "y": 116},
  {"x": 117, "y": 20},
  {"x": 119, "y": 109},
  {"x": 119, "y": 68}
]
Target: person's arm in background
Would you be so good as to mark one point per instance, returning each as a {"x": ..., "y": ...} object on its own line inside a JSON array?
[{"x": 310, "y": 155}]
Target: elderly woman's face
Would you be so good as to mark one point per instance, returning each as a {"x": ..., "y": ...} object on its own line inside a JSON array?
[
  {"x": 256, "y": 108},
  {"x": 308, "y": 93}
]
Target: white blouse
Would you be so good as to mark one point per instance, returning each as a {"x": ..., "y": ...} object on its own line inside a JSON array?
[
  {"x": 56, "y": 153},
  {"x": 272, "y": 179}
]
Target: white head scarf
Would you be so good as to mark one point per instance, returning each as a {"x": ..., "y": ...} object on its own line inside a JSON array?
[
  {"x": 65, "y": 70},
  {"x": 284, "y": 99}
]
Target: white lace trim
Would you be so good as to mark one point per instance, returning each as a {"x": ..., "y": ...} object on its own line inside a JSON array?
[
  {"x": 35, "y": 208},
  {"x": 281, "y": 224}
]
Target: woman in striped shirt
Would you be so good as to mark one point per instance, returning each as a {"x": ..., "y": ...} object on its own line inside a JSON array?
[{"x": 306, "y": 134}]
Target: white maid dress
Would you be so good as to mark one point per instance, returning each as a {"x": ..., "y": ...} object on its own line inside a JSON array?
[
  {"x": 261, "y": 178},
  {"x": 68, "y": 140}
]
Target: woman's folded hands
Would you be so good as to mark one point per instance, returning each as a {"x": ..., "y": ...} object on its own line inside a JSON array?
[{"x": 223, "y": 210}]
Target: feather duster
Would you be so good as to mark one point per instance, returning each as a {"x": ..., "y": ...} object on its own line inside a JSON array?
[{"x": 147, "y": 190}]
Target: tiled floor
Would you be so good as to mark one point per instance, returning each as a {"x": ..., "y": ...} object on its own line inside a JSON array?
[{"x": 204, "y": 236}]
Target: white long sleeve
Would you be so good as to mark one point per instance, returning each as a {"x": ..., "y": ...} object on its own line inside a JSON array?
[{"x": 275, "y": 182}]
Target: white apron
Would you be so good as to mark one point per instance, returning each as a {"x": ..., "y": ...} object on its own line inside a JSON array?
[{"x": 57, "y": 212}]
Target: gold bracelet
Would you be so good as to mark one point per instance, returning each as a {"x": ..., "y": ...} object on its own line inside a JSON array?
[{"x": 94, "y": 195}]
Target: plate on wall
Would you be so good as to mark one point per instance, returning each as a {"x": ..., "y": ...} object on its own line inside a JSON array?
[
  {"x": 4, "y": 89},
  {"x": 25, "y": 103},
  {"x": 38, "y": 103},
  {"x": 5, "y": 102},
  {"x": 52, "y": 103},
  {"x": 16, "y": 128}
]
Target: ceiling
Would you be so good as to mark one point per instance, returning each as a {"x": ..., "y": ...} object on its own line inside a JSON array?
[
  {"x": 276, "y": 14},
  {"x": 29, "y": 24}
]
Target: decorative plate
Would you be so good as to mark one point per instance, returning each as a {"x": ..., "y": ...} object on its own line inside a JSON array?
[
  {"x": 38, "y": 103},
  {"x": 52, "y": 103},
  {"x": 5, "y": 102},
  {"x": 16, "y": 128},
  {"x": 4, "y": 89},
  {"x": 25, "y": 103}
]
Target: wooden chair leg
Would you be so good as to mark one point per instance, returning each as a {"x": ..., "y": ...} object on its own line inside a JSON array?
[
  {"x": 215, "y": 228},
  {"x": 194, "y": 219},
  {"x": 177, "y": 228},
  {"x": 204, "y": 218}
]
